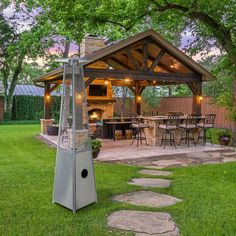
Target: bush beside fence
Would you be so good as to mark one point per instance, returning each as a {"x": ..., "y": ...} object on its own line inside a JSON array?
[{"x": 32, "y": 108}]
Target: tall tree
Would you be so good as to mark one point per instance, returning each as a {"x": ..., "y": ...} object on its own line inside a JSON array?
[{"x": 18, "y": 44}]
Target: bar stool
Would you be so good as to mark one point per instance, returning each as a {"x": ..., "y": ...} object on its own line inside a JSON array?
[
  {"x": 168, "y": 128},
  {"x": 188, "y": 127},
  {"x": 207, "y": 123},
  {"x": 138, "y": 129}
]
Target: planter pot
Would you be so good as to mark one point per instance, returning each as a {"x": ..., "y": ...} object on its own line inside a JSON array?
[
  {"x": 95, "y": 153},
  {"x": 224, "y": 141}
]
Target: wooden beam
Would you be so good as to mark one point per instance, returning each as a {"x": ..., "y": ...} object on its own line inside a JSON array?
[
  {"x": 89, "y": 81},
  {"x": 53, "y": 87},
  {"x": 132, "y": 59},
  {"x": 197, "y": 93},
  {"x": 192, "y": 87},
  {"x": 141, "y": 89},
  {"x": 137, "y": 101},
  {"x": 157, "y": 60},
  {"x": 160, "y": 64},
  {"x": 132, "y": 89},
  {"x": 47, "y": 101},
  {"x": 114, "y": 62},
  {"x": 174, "y": 56},
  {"x": 142, "y": 75},
  {"x": 145, "y": 57}
]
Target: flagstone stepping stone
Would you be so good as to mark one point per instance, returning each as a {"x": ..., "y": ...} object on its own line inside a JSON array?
[
  {"x": 198, "y": 155},
  {"x": 228, "y": 154},
  {"x": 143, "y": 223},
  {"x": 154, "y": 167},
  {"x": 167, "y": 163},
  {"x": 150, "y": 182},
  {"x": 229, "y": 159},
  {"x": 215, "y": 154},
  {"x": 147, "y": 198},
  {"x": 211, "y": 162},
  {"x": 155, "y": 172}
]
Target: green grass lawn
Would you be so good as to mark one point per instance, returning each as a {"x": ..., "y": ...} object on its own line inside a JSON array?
[{"x": 26, "y": 184}]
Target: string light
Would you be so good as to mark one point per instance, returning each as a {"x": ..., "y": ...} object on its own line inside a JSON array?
[{"x": 106, "y": 82}]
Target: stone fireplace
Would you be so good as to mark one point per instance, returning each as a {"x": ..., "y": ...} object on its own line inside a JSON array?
[
  {"x": 99, "y": 93},
  {"x": 95, "y": 115},
  {"x": 97, "y": 112}
]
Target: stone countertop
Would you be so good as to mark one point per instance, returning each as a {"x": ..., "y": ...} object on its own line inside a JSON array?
[
  {"x": 160, "y": 118},
  {"x": 154, "y": 118}
]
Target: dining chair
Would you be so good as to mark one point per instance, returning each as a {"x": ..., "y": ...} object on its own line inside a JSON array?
[
  {"x": 208, "y": 122},
  {"x": 169, "y": 128},
  {"x": 188, "y": 128},
  {"x": 138, "y": 129}
]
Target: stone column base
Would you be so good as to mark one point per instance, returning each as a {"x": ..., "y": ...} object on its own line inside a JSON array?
[{"x": 44, "y": 123}]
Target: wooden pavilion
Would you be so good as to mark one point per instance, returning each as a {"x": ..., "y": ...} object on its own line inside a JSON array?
[{"x": 145, "y": 59}]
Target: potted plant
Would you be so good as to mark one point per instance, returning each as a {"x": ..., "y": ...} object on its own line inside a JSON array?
[
  {"x": 224, "y": 137},
  {"x": 95, "y": 144}
]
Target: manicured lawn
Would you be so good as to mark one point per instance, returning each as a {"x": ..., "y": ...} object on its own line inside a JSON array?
[{"x": 26, "y": 180}]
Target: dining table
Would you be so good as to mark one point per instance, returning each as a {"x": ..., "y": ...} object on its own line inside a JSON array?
[
  {"x": 154, "y": 133},
  {"x": 113, "y": 125}
]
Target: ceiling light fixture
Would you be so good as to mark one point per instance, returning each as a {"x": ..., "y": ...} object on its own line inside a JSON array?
[{"x": 127, "y": 80}]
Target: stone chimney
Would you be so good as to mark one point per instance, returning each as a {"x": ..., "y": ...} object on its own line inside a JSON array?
[{"x": 90, "y": 44}]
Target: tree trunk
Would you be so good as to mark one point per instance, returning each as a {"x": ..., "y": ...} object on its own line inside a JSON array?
[
  {"x": 9, "y": 94},
  {"x": 169, "y": 91},
  {"x": 8, "y": 111}
]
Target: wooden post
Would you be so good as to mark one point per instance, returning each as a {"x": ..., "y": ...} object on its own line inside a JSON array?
[
  {"x": 197, "y": 97},
  {"x": 137, "y": 103},
  {"x": 138, "y": 93},
  {"x": 47, "y": 101}
]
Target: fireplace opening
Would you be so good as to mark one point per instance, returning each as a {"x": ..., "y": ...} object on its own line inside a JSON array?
[{"x": 95, "y": 115}]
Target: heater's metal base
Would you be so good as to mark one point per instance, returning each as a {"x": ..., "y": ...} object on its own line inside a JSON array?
[{"x": 78, "y": 190}]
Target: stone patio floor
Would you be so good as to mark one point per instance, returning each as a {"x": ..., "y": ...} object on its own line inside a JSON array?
[{"x": 120, "y": 151}]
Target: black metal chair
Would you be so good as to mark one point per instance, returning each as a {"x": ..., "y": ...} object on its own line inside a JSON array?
[
  {"x": 138, "y": 129},
  {"x": 188, "y": 127},
  {"x": 168, "y": 135},
  {"x": 208, "y": 122}
]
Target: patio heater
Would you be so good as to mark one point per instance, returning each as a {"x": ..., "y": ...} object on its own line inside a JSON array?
[{"x": 74, "y": 181}]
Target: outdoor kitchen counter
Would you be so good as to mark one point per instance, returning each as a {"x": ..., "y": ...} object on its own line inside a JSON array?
[{"x": 154, "y": 134}]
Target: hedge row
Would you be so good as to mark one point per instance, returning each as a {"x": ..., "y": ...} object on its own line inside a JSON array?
[{"x": 32, "y": 108}]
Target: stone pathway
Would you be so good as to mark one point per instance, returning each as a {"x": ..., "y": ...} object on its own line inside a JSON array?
[
  {"x": 147, "y": 198},
  {"x": 145, "y": 223},
  {"x": 149, "y": 182},
  {"x": 155, "y": 172},
  {"x": 167, "y": 163},
  {"x": 185, "y": 159}
]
